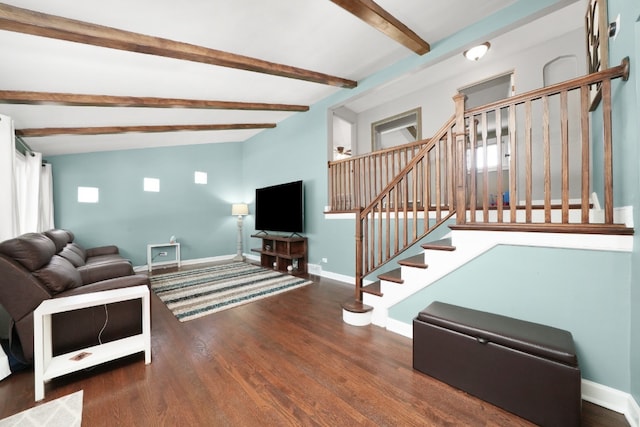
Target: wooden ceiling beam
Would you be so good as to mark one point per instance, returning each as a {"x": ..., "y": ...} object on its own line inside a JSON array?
[
  {"x": 73, "y": 99},
  {"x": 40, "y": 24},
  {"x": 105, "y": 130},
  {"x": 380, "y": 19}
]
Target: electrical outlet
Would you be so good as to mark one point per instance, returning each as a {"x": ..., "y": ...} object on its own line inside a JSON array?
[
  {"x": 325, "y": 260},
  {"x": 162, "y": 253}
]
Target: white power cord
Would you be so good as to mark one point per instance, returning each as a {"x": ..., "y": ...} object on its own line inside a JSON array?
[{"x": 106, "y": 320}]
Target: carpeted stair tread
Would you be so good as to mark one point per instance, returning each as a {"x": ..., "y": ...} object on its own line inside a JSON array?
[
  {"x": 416, "y": 261},
  {"x": 392, "y": 276},
  {"x": 439, "y": 245}
]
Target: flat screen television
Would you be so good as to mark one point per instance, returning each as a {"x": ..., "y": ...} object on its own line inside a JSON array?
[{"x": 280, "y": 208}]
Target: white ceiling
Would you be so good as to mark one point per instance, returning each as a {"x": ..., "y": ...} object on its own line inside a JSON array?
[
  {"x": 536, "y": 32},
  {"x": 312, "y": 34}
]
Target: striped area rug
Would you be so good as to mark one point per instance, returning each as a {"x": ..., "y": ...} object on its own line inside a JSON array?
[{"x": 195, "y": 293}]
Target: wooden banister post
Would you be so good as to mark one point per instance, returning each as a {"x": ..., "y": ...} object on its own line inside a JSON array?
[
  {"x": 460, "y": 161},
  {"x": 357, "y": 184},
  {"x": 359, "y": 252}
]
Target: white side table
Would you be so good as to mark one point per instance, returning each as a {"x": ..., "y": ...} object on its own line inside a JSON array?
[
  {"x": 47, "y": 367},
  {"x": 150, "y": 248}
]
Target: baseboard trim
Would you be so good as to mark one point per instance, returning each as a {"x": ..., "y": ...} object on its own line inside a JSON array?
[
  {"x": 612, "y": 399},
  {"x": 144, "y": 268},
  {"x": 400, "y": 328},
  {"x": 347, "y": 280},
  {"x": 633, "y": 415}
]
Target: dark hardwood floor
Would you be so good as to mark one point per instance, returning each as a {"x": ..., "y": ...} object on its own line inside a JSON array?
[{"x": 285, "y": 360}]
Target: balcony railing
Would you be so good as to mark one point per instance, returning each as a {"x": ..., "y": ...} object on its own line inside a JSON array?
[
  {"x": 356, "y": 181},
  {"x": 532, "y": 159}
]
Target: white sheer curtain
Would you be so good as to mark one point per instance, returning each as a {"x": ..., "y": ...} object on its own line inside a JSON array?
[
  {"x": 26, "y": 185},
  {"x": 8, "y": 215},
  {"x": 34, "y": 193},
  {"x": 45, "y": 220},
  {"x": 26, "y": 202},
  {"x": 8, "y": 192}
]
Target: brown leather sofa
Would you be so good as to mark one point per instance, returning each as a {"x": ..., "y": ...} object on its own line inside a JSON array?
[{"x": 39, "y": 266}]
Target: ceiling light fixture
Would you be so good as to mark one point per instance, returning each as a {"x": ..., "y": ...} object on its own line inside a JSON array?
[{"x": 477, "y": 52}]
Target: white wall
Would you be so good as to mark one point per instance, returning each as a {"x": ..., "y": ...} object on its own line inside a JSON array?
[{"x": 435, "y": 97}]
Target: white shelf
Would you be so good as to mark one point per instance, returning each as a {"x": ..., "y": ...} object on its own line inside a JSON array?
[
  {"x": 64, "y": 363},
  {"x": 150, "y": 248},
  {"x": 59, "y": 305},
  {"x": 47, "y": 367}
]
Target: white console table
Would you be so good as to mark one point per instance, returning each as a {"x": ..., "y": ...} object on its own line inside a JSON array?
[
  {"x": 47, "y": 367},
  {"x": 150, "y": 248}
]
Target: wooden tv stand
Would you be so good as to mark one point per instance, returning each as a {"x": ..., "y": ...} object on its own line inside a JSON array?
[{"x": 280, "y": 252}]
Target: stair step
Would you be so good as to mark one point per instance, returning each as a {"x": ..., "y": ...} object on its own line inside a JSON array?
[
  {"x": 392, "y": 276},
  {"x": 355, "y": 306},
  {"x": 609, "y": 229},
  {"x": 440, "y": 245},
  {"x": 416, "y": 261},
  {"x": 373, "y": 288}
]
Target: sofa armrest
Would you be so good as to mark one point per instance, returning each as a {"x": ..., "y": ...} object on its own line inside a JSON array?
[
  {"x": 102, "y": 250},
  {"x": 119, "y": 282},
  {"x": 92, "y": 273}
]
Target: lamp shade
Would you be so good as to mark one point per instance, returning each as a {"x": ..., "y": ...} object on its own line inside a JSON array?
[{"x": 238, "y": 209}]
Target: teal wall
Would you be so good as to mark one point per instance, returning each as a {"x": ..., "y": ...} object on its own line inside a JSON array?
[
  {"x": 584, "y": 292},
  {"x": 626, "y": 154},
  {"x": 626, "y": 136},
  {"x": 635, "y": 271},
  {"x": 198, "y": 215}
]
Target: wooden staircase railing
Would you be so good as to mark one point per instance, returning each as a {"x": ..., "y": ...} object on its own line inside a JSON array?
[
  {"x": 528, "y": 130},
  {"x": 356, "y": 181},
  {"x": 415, "y": 202},
  {"x": 536, "y": 150}
]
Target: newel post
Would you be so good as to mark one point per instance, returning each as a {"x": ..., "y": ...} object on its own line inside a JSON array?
[
  {"x": 460, "y": 161},
  {"x": 359, "y": 251}
]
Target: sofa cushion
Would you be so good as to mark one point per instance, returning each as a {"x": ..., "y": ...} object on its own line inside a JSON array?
[
  {"x": 96, "y": 272},
  {"x": 59, "y": 275},
  {"x": 104, "y": 259},
  {"x": 32, "y": 250},
  {"x": 102, "y": 250},
  {"x": 78, "y": 249},
  {"x": 72, "y": 256},
  {"x": 59, "y": 237}
]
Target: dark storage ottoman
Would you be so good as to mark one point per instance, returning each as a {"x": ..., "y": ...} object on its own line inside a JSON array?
[{"x": 526, "y": 368}]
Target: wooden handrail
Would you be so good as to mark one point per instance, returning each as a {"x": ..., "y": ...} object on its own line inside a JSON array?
[
  {"x": 399, "y": 215},
  {"x": 548, "y": 153},
  {"x": 354, "y": 181},
  {"x": 395, "y": 148},
  {"x": 619, "y": 71}
]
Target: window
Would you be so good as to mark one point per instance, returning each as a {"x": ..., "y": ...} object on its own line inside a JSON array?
[
  {"x": 492, "y": 157},
  {"x": 200, "y": 177},
  {"x": 88, "y": 195},
  {"x": 152, "y": 184},
  {"x": 397, "y": 130}
]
